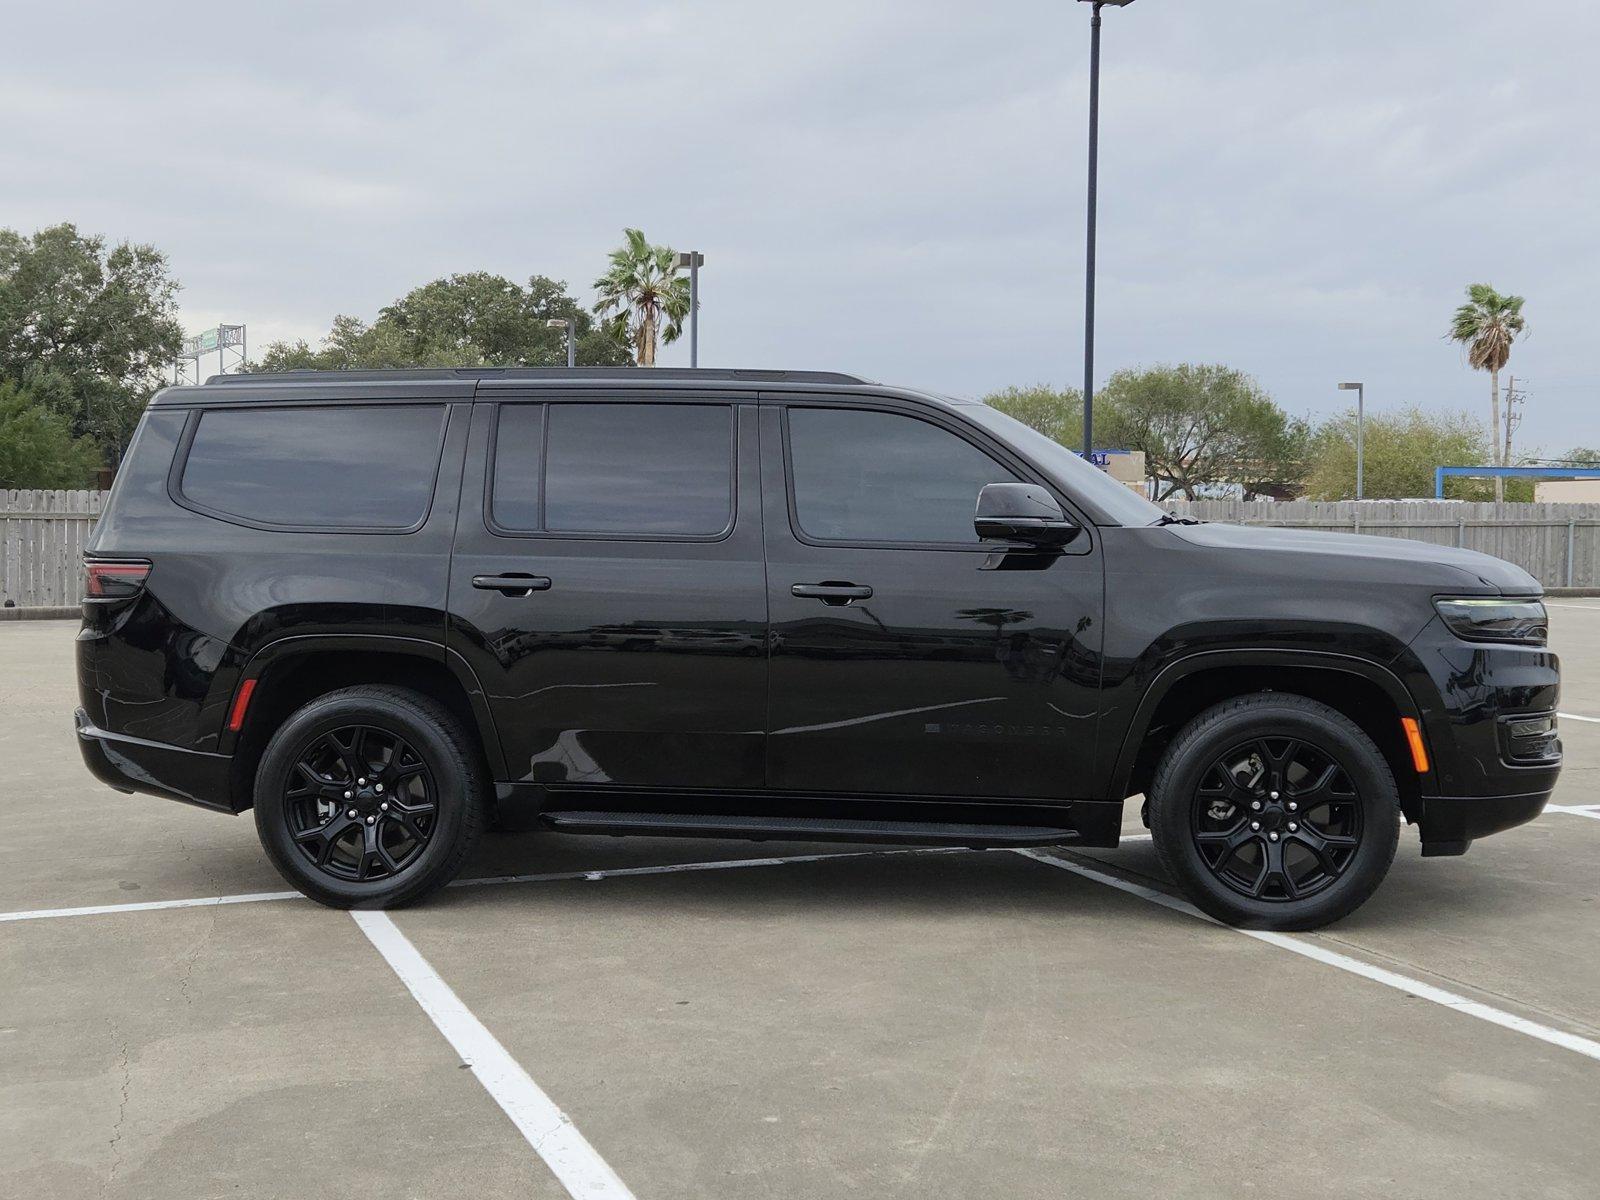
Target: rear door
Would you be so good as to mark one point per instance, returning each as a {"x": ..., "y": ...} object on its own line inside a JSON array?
[
  {"x": 908, "y": 657},
  {"x": 608, "y": 589}
]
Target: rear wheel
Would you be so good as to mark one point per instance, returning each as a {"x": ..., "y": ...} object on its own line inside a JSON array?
[
  {"x": 369, "y": 797},
  {"x": 1274, "y": 811}
]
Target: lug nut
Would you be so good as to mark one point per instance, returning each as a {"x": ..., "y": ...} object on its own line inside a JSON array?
[
  {"x": 1293, "y": 807},
  {"x": 1274, "y": 795},
  {"x": 1272, "y": 837},
  {"x": 362, "y": 782},
  {"x": 374, "y": 821},
  {"x": 1255, "y": 806},
  {"x": 379, "y": 788},
  {"x": 1293, "y": 827},
  {"x": 1255, "y": 824},
  {"x": 385, "y": 807},
  {"x": 349, "y": 795},
  {"x": 351, "y": 814}
]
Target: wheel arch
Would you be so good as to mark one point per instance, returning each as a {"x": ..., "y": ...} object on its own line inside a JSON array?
[
  {"x": 291, "y": 671},
  {"x": 1368, "y": 693}
]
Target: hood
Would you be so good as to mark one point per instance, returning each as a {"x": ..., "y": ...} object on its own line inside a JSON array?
[{"x": 1384, "y": 558}]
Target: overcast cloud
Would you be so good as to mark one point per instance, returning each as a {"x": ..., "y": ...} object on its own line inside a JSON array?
[{"x": 1300, "y": 188}]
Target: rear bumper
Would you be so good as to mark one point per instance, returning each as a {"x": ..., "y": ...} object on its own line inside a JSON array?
[
  {"x": 1450, "y": 823},
  {"x": 131, "y": 764}
]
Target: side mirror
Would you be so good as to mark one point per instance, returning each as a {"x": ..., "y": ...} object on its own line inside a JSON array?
[{"x": 1022, "y": 512}]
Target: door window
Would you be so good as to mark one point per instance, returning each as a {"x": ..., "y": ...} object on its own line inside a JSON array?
[
  {"x": 617, "y": 469},
  {"x": 879, "y": 477}
]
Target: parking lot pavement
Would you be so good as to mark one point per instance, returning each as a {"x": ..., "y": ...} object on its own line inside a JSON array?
[
  {"x": 983, "y": 1025},
  {"x": 242, "y": 1051},
  {"x": 888, "y": 1023}
]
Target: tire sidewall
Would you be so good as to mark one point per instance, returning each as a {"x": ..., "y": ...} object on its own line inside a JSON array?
[
  {"x": 292, "y": 740},
  {"x": 1329, "y": 732}
]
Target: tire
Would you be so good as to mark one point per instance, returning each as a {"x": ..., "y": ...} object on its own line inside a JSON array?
[
  {"x": 400, "y": 763},
  {"x": 1295, "y": 768}
]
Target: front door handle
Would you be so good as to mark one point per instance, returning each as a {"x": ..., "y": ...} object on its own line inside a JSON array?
[
  {"x": 512, "y": 584},
  {"x": 832, "y": 593}
]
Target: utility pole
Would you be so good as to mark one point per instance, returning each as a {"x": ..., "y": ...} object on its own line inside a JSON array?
[{"x": 1514, "y": 400}]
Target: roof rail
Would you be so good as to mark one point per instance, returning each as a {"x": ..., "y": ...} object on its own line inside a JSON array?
[{"x": 633, "y": 375}]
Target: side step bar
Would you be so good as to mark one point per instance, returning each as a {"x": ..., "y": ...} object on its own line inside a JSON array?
[{"x": 805, "y": 829}]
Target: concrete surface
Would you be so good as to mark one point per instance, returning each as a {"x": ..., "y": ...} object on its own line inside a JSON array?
[{"x": 962, "y": 1024}]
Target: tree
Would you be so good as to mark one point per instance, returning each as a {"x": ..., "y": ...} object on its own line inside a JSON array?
[
  {"x": 1400, "y": 450},
  {"x": 37, "y": 448},
  {"x": 1057, "y": 415},
  {"x": 643, "y": 296},
  {"x": 90, "y": 330},
  {"x": 1203, "y": 424},
  {"x": 470, "y": 320},
  {"x": 1487, "y": 325}
]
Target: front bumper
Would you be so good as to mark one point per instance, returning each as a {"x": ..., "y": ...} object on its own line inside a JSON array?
[
  {"x": 131, "y": 764},
  {"x": 1450, "y": 823}
]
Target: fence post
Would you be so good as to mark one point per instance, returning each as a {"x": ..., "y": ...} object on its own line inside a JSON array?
[
  {"x": 1572, "y": 527},
  {"x": 1461, "y": 533}
]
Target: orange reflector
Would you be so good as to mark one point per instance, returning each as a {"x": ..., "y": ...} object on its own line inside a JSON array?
[
  {"x": 240, "y": 703},
  {"x": 1419, "y": 753}
]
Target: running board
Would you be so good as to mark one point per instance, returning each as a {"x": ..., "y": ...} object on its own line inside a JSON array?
[{"x": 805, "y": 829}]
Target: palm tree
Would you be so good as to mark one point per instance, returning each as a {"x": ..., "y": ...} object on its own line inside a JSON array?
[
  {"x": 1487, "y": 325},
  {"x": 643, "y": 295}
]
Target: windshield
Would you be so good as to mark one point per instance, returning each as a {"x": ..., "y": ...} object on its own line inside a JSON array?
[{"x": 1121, "y": 503}]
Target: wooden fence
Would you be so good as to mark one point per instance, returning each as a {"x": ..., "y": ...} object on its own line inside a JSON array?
[
  {"x": 42, "y": 535},
  {"x": 1558, "y": 544}
]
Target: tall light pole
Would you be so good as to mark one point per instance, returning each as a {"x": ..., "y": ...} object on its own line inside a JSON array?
[
  {"x": 1094, "y": 182},
  {"x": 693, "y": 260},
  {"x": 1361, "y": 420},
  {"x": 571, "y": 326}
]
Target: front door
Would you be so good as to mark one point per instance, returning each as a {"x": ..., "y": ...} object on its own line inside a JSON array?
[
  {"x": 908, "y": 657},
  {"x": 608, "y": 589}
]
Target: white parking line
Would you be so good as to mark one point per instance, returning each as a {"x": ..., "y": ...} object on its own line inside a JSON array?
[
  {"x": 1576, "y": 717},
  {"x": 1581, "y": 607},
  {"x": 548, "y": 1130},
  {"x": 95, "y": 910},
  {"x": 1577, "y": 810},
  {"x": 713, "y": 865},
  {"x": 1402, "y": 983}
]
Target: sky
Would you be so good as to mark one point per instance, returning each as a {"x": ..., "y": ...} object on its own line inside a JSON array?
[{"x": 1298, "y": 188}]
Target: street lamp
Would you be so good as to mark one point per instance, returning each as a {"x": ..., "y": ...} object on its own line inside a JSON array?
[
  {"x": 1361, "y": 420},
  {"x": 693, "y": 260},
  {"x": 571, "y": 326},
  {"x": 1094, "y": 173}
]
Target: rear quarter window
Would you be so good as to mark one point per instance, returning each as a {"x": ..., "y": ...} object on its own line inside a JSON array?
[{"x": 367, "y": 467}]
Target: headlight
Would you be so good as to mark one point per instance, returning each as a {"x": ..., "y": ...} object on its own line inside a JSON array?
[{"x": 1490, "y": 619}]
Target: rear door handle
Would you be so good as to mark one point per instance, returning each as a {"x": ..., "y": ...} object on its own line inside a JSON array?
[
  {"x": 832, "y": 593},
  {"x": 512, "y": 584}
]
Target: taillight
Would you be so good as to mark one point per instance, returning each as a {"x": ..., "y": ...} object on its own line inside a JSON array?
[{"x": 114, "y": 580}]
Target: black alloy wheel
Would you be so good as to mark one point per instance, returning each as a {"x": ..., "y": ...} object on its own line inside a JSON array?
[
  {"x": 370, "y": 797},
  {"x": 1274, "y": 811},
  {"x": 1277, "y": 819},
  {"x": 360, "y": 803}
]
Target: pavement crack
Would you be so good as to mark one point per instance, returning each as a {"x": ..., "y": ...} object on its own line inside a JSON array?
[{"x": 122, "y": 1105}]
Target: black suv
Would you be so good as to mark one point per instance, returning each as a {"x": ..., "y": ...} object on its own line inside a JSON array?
[{"x": 383, "y": 608}]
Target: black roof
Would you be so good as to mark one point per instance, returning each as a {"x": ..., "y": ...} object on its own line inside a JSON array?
[{"x": 458, "y": 384}]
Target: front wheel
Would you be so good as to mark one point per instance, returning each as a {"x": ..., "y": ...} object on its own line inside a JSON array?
[
  {"x": 1274, "y": 811},
  {"x": 369, "y": 797}
]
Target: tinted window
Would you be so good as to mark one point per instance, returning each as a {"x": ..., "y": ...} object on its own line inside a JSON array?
[
  {"x": 1124, "y": 505},
  {"x": 615, "y": 468},
  {"x": 367, "y": 467},
  {"x": 879, "y": 477}
]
